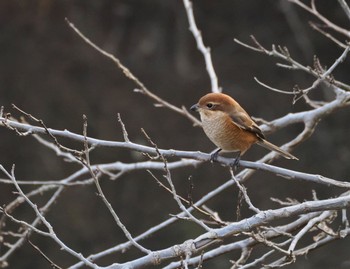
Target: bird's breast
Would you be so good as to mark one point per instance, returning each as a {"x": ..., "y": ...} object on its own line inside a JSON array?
[{"x": 220, "y": 129}]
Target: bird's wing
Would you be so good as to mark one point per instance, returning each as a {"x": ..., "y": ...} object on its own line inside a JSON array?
[{"x": 243, "y": 121}]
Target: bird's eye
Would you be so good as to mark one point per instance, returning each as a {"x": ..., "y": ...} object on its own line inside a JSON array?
[{"x": 210, "y": 105}]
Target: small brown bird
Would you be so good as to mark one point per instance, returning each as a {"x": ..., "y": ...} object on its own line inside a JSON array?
[{"x": 230, "y": 127}]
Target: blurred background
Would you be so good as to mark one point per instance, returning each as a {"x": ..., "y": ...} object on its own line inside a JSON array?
[{"x": 48, "y": 71}]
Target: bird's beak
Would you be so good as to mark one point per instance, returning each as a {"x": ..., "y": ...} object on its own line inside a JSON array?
[{"x": 194, "y": 107}]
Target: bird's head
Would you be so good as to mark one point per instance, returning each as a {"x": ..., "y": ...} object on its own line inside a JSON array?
[{"x": 214, "y": 102}]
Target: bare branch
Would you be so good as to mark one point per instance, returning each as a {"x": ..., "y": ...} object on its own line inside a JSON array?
[
  {"x": 47, "y": 131},
  {"x": 244, "y": 192},
  {"x": 261, "y": 239},
  {"x": 339, "y": 60},
  {"x": 272, "y": 89},
  {"x": 283, "y": 54},
  {"x": 183, "y": 111},
  {"x": 201, "y": 47},
  {"x": 125, "y": 133},
  {"x": 103, "y": 197},
  {"x": 345, "y": 7},
  {"x": 249, "y": 242},
  {"x": 314, "y": 11},
  {"x": 172, "y": 187},
  {"x": 246, "y": 252},
  {"x": 314, "y": 219},
  {"x": 47, "y": 224},
  {"x": 311, "y": 247},
  {"x": 309, "y": 116},
  {"x": 52, "y": 264},
  {"x": 204, "y": 212},
  {"x": 327, "y": 35},
  {"x": 306, "y": 228}
]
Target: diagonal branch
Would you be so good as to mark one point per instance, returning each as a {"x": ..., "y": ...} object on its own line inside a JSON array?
[
  {"x": 183, "y": 111},
  {"x": 345, "y": 7},
  {"x": 312, "y": 9},
  {"x": 87, "y": 164},
  {"x": 172, "y": 187},
  {"x": 283, "y": 54},
  {"x": 47, "y": 224},
  {"x": 306, "y": 228},
  {"x": 201, "y": 47},
  {"x": 244, "y": 225}
]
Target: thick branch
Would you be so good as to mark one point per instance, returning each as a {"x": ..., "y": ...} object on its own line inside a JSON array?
[{"x": 237, "y": 227}]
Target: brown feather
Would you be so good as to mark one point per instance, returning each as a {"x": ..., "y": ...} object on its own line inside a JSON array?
[{"x": 230, "y": 127}]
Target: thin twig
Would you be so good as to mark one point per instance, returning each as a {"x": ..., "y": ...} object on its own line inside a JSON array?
[
  {"x": 345, "y": 7},
  {"x": 87, "y": 164},
  {"x": 204, "y": 212},
  {"x": 305, "y": 250},
  {"x": 47, "y": 224},
  {"x": 273, "y": 89},
  {"x": 338, "y": 61},
  {"x": 183, "y": 111},
  {"x": 262, "y": 239},
  {"x": 258, "y": 260},
  {"x": 48, "y": 132},
  {"x": 172, "y": 187},
  {"x": 306, "y": 228},
  {"x": 244, "y": 192},
  {"x": 125, "y": 133},
  {"x": 312, "y": 9},
  {"x": 245, "y": 254},
  {"x": 327, "y": 35},
  {"x": 201, "y": 47},
  {"x": 283, "y": 54},
  {"x": 52, "y": 264}
]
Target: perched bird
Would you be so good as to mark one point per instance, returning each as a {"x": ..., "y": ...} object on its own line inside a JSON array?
[{"x": 230, "y": 127}]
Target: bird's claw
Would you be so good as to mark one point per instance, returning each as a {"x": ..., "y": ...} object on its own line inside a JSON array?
[
  {"x": 214, "y": 155},
  {"x": 236, "y": 162}
]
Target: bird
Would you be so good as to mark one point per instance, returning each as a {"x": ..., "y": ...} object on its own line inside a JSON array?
[{"x": 230, "y": 127}]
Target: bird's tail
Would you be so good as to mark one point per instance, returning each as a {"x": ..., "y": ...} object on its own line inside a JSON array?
[{"x": 270, "y": 146}]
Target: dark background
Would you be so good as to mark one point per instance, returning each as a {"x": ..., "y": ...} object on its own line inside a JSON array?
[{"x": 48, "y": 71}]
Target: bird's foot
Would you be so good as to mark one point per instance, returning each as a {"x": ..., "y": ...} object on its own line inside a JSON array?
[
  {"x": 235, "y": 164},
  {"x": 214, "y": 155}
]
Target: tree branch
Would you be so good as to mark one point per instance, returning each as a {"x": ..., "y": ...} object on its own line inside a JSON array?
[{"x": 201, "y": 47}]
